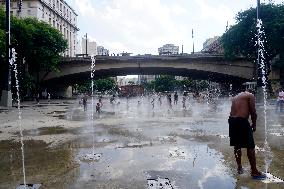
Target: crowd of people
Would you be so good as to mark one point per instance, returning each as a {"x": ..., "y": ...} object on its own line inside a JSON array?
[{"x": 240, "y": 128}]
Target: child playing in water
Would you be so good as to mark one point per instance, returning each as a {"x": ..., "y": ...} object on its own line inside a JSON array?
[{"x": 98, "y": 108}]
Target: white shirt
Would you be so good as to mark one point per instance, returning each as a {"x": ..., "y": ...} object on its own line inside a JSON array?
[{"x": 280, "y": 96}]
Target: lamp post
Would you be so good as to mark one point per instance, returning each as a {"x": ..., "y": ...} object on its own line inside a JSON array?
[
  {"x": 86, "y": 44},
  {"x": 6, "y": 98},
  {"x": 192, "y": 42}
]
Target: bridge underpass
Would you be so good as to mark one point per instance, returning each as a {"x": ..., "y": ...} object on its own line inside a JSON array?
[{"x": 212, "y": 68}]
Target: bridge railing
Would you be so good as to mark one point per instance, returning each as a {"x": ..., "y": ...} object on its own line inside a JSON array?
[{"x": 139, "y": 57}]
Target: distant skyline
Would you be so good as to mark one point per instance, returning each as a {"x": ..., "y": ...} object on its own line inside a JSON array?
[{"x": 141, "y": 26}]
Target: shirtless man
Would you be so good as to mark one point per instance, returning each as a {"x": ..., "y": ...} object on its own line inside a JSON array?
[{"x": 241, "y": 132}]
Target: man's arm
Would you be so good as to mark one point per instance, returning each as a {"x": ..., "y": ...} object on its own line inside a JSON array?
[{"x": 252, "y": 111}]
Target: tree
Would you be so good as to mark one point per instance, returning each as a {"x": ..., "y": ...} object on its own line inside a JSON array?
[
  {"x": 241, "y": 39},
  {"x": 131, "y": 82},
  {"x": 101, "y": 85},
  {"x": 37, "y": 43},
  {"x": 165, "y": 83},
  {"x": 186, "y": 84}
]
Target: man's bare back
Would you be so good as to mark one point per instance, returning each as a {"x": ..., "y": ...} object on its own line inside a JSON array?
[{"x": 243, "y": 105}]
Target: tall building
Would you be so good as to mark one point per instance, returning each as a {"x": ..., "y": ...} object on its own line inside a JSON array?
[
  {"x": 57, "y": 13},
  {"x": 213, "y": 45},
  {"x": 102, "y": 51},
  {"x": 91, "y": 47},
  {"x": 146, "y": 78},
  {"x": 168, "y": 49}
]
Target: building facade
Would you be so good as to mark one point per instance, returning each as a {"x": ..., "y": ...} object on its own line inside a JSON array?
[
  {"x": 147, "y": 78},
  {"x": 91, "y": 47},
  {"x": 102, "y": 51},
  {"x": 213, "y": 45},
  {"x": 168, "y": 49},
  {"x": 57, "y": 13}
]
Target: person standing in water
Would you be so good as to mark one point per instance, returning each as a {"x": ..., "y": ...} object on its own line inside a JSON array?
[
  {"x": 84, "y": 100},
  {"x": 153, "y": 102},
  {"x": 175, "y": 98},
  {"x": 98, "y": 108},
  {"x": 241, "y": 132},
  {"x": 184, "y": 100},
  {"x": 169, "y": 96},
  {"x": 160, "y": 98}
]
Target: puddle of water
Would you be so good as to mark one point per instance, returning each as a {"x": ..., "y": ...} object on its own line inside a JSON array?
[
  {"x": 44, "y": 165},
  {"x": 48, "y": 131},
  {"x": 192, "y": 151}
]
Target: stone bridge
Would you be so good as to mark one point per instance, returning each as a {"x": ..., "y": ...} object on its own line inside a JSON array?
[{"x": 197, "y": 66}]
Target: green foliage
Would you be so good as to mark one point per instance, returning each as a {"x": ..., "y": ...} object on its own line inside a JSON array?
[
  {"x": 186, "y": 84},
  {"x": 100, "y": 85},
  {"x": 169, "y": 83},
  {"x": 36, "y": 42},
  {"x": 240, "y": 38},
  {"x": 2, "y": 43},
  {"x": 165, "y": 83},
  {"x": 131, "y": 82},
  {"x": 103, "y": 85},
  {"x": 2, "y": 32}
]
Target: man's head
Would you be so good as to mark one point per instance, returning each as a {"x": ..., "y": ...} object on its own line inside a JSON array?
[{"x": 250, "y": 90}]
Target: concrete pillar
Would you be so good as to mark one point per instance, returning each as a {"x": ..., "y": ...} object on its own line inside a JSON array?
[
  {"x": 63, "y": 91},
  {"x": 6, "y": 98},
  {"x": 68, "y": 92}
]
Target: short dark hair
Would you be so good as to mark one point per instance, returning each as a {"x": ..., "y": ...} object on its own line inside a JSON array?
[{"x": 250, "y": 90}]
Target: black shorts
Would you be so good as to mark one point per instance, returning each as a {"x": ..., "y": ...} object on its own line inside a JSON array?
[{"x": 240, "y": 133}]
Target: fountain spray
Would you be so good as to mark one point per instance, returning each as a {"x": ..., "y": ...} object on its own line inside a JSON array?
[
  {"x": 13, "y": 64},
  {"x": 261, "y": 63},
  {"x": 93, "y": 64}
]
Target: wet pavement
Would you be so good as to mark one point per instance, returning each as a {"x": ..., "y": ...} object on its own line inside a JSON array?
[{"x": 136, "y": 146}]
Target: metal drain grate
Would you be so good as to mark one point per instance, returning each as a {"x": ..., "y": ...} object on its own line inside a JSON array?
[
  {"x": 159, "y": 183},
  {"x": 29, "y": 186}
]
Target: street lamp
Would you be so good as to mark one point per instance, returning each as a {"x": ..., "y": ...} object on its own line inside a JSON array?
[
  {"x": 86, "y": 44},
  {"x": 192, "y": 42},
  {"x": 6, "y": 98}
]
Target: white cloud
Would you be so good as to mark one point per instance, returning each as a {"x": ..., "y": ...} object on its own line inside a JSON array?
[
  {"x": 141, "y": 26},
  {"x": 134, "y": 25},
  {"x": 219, "y": 12},
  {"x": 85, "y": 7}
]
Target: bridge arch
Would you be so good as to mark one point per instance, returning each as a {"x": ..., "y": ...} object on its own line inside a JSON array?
[{"x": 212, "y": 67}]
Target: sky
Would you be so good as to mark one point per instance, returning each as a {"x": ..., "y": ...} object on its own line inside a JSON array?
[{"x": 142, "y": 26}]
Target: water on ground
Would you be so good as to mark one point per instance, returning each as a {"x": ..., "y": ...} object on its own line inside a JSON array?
[{"x": 136, "y": 146}]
